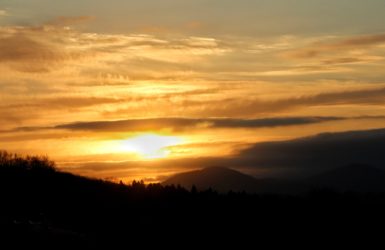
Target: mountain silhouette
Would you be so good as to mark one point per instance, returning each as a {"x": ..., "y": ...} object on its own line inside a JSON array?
[
  {"x": 45, "y": 208},
  {"x": 224, "y": 179},
  {"x": 354, "y": 177},
  {"x": 218, "y": 178}
]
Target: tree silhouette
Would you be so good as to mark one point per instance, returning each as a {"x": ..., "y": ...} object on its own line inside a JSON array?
[
  {"x": 42, "y": 205},
  {"x": 35, "y": 163}
]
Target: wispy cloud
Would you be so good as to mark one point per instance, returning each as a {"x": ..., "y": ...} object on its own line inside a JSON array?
[
  {"x": 3, "y": 13},
  {"x": 178, "y": 124},
  {"x": 190, "y": 124},
  {"x": 344, "y": 45},
  {"x": 249, "y": 106},
  {"x": 68, "y": 21},
  {"x": 73, "y": 92},
  {"x": 253, "y": 107},
  {"x": 70, "y": 102},
  {"x": 51, "y": 45},
  {"x": 235, "y": 80}
]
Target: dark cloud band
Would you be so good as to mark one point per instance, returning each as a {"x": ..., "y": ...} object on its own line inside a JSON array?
[
  {"x": 181, "y": 124},
  {"x": 184, "y": 124}
]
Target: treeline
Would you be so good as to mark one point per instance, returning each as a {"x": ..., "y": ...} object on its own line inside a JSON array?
[{"x": 42, "y": 205}]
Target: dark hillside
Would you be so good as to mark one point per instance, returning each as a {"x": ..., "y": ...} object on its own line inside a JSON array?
[{"x": 43, "y": 207}]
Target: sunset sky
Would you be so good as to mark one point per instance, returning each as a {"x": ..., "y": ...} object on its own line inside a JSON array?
[{"x": 143, "y": 89}]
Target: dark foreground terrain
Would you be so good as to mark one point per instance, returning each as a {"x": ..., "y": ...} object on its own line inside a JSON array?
[{"x": 42, "y": 207}]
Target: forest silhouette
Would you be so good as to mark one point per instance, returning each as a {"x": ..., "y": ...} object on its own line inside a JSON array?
[{"x": 42, "y": 206}]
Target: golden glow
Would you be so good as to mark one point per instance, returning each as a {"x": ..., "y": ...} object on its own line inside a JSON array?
[
  {"x": 150, "y": 146},
  {"x": 110, "y": 97}
]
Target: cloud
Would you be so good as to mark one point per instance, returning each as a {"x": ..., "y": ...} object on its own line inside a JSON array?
[
  {"x": 34, "y": 109},
  {"x": 54, "y": 46},
  {"x": 65, "y": 102},
  {"x": 189, "y": 102},
  {"x": 3, "y": 13},
  {"x": 39, "y": 49},
  {"x": 78, "y": 102},
  {"x": 223, "y": 105},
  {"x": 249, "y": 107},
  {"x": 68, "y": 21},
  {"x": 345, "y": 45},
  {"x": 189, "y": 124},
  {"x": 343, "y": 60},
  {"x": 19, "y": 47},
  {"x": 178, "y": 124},
  {"x": 311, "y": 154},
  {"x": 367, "y": 40},
  {"x": 364, "y": 96},
  {"x": 285, "y": 159}
]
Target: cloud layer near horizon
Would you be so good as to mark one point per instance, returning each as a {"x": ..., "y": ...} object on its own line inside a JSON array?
[{"x": 295, "y": 158}]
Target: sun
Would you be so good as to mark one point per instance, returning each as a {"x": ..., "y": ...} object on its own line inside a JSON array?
[{"x": 150, "y": 146}]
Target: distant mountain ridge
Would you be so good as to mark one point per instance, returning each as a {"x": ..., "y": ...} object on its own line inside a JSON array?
[
  {"x": 219, "y": 178},
  {"x": 354, "y": 177},
  {"x": 44, "y": 208},
  {"x": 224, "y": 179}
]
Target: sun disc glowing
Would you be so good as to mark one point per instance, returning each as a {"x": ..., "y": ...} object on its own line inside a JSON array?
[{"x": 150, "y": 146}]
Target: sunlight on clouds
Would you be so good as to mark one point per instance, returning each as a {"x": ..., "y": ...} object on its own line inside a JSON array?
[
  {"x": 150, "y": 146},
  {"x": 54, "y": 75},
  {"x": 146, "y": 146}
]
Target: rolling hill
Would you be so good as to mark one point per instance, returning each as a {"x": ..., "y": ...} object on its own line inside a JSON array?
[
  {"x": 224, "y": 180},
  {"x": 218, "y": 178},
  {"x": 354, "y": 177}
]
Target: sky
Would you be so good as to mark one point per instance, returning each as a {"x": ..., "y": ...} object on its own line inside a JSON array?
[{"x": 126, "y": 90}]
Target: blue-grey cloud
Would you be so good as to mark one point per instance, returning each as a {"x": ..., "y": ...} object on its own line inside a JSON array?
[
  {"x": 182, "y": 124},
  {"x": 317, "y": 153},
  {"x": 187, "y": 124}
]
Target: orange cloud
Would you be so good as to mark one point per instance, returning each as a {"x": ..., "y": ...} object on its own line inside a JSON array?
[
  {"x": 3, "y": 13},
  {"x": 250, "y": 107},
  {"x": 318, "y": 49}
]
